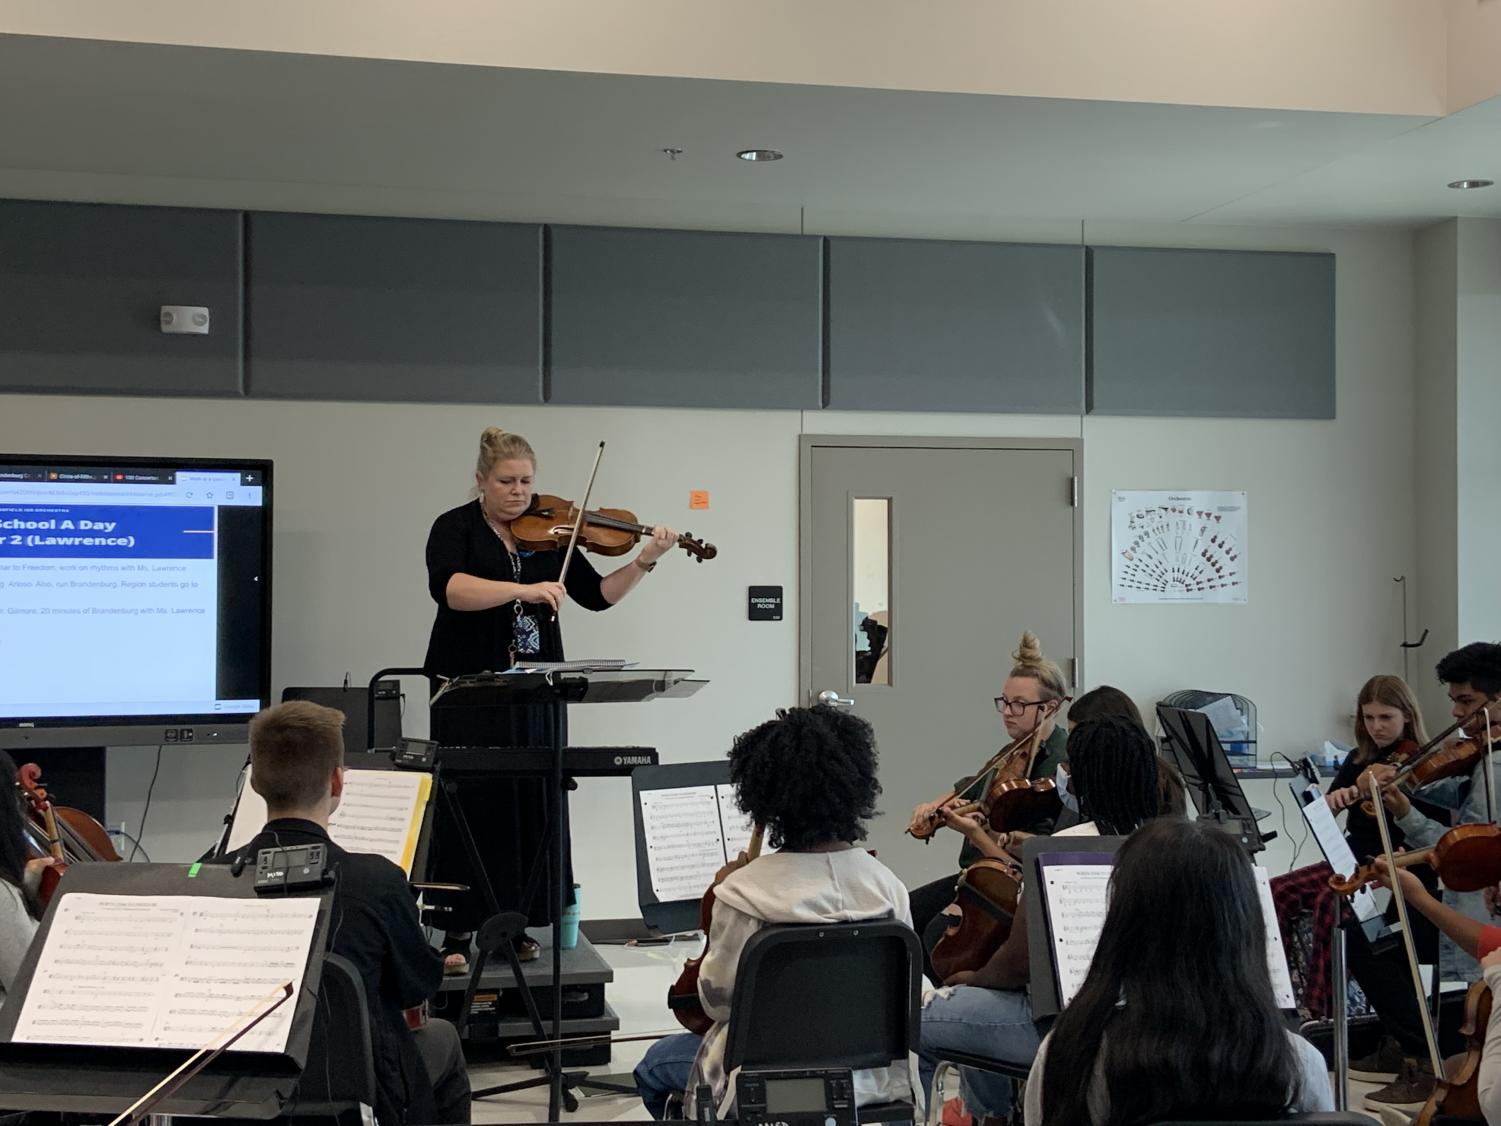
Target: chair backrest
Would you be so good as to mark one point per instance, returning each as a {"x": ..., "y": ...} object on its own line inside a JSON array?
[
  {"x": 340, "y": 1067},
  {"x": 844, "y": 995}
]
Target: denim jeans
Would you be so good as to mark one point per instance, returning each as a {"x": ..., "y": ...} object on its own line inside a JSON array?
[
  {"x": 983, "y": 1022},
  {"x": 665, "y": 1069}
]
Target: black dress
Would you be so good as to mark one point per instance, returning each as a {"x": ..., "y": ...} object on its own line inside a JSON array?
[{"x": 508, "y": 818}]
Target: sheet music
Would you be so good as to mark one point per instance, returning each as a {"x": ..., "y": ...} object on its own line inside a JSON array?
[
  {"x": 1276, "y": 956},
  {"x": 1075, "y": 893},
  {"x": 166, "y": 972},
  {"x": 684, "y": 840},
  {"x": 1336, "y": 850},
  {"x": 1075, "y": 890},
  {"x": 380, "y": 812},
  {"x": 737, "y": 826}
]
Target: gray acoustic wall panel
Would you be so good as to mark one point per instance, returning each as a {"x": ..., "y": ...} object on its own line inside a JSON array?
[
  {"x": 684, "y": 318},
  {"x": 955, "y": 326},
  {"x": 81, "y": 291},
  {"x": 424, "y": 310},
  {"x": 1226, "y": 333}
]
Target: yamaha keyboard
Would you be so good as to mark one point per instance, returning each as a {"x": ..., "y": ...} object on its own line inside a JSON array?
[{"x": 578, "y": 762}]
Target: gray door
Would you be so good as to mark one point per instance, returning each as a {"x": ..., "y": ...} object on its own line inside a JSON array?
[{"x": 950, "y": 548}]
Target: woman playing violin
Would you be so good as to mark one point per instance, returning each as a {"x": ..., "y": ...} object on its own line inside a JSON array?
[
  {"x": 497, "y": 604},
  {"x": 1473, "y": 676},
  {"x": 808, "y": 778},
  {"x": 988, "y": 1011},
  {"x": 19, "y": 880},
  {"x": 1030, "y": 701},
  {"x": 1388, "y": 725}
]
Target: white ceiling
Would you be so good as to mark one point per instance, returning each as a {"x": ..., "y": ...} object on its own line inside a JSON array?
[{"x": 145, "y": 123}]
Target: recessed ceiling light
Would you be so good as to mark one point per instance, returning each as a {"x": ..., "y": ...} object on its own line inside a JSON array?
[
  {"x": 1465, "y": 185},
  {"x": 759, "y": 154}
]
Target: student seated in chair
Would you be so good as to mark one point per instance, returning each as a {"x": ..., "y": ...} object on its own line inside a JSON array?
[
  {"x": 1114, "y": 780},
  {"x": 808, "y": 778},
  {"x": 297, "y": 766},
  {"x": 1176, "y": 1019}
]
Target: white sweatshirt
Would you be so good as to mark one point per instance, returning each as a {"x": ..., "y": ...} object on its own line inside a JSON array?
[{"x": 851, "y": 886}]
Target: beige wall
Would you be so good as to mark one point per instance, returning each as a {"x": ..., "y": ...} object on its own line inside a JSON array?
[
  {"x": 1331, "y": 510},
  {"x": 1359, "y": 56}
]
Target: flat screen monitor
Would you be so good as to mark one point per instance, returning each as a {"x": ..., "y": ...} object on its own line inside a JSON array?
[{"x": 135, "y": 595}]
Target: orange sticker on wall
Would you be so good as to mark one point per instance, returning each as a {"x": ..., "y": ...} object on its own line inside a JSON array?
[{"x": 698, "y": 498}]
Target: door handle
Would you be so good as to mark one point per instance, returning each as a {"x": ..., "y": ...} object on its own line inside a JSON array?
[{"x": 833, "y": 699}]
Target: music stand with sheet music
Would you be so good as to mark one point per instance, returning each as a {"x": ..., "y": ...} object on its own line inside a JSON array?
[
  {"x": 554, "y": 688},
  {"x": 95, "y": 1080},
  {"x": 1037, "y": 854},
  {"x": 1208, "y": 775},
  {"x": 675, "y": 916},
  {"x": 248, "y": 815}
]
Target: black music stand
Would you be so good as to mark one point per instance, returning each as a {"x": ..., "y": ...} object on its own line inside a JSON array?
[
  {"x": 672, "y": 916},
  {"x": 1046, "y": 1000},
  {"x": 556, "y": 689},
  {"x": 1208, "y": 775},
  {"x": 91, "y": 1080}
]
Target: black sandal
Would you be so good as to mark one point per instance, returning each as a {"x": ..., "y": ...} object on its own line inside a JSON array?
[{"x": 527, "y": 948}]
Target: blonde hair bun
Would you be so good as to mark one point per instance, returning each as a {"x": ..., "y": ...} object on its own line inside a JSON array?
[
  {"x": 1030, "y": 663},
  {"x": 497, "y": 445},
  {"x": 1029, "y": 651}
]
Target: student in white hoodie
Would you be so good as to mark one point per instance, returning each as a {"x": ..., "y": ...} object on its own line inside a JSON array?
[{"x": 808, "y": 778}]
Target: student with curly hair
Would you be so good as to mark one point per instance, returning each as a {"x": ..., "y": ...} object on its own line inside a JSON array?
[
  {"x": 808, "y": 778},
  {"x": 988, "y": 1011}
]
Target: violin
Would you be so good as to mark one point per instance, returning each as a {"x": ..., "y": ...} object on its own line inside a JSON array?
[
  {"x": 1466, "y": 858},
  {"x": 1435, "y": 761},
  {"x": 682, "y": 997},
  {"x": 1010, "y": 799},
  {"x": 547, "y": 525},
  {"x": 1457, "y": 1092},
  {"x": 987, "y": 896}
]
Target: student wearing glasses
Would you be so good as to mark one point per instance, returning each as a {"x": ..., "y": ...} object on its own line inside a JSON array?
[{"x": 1031, "y": 698}]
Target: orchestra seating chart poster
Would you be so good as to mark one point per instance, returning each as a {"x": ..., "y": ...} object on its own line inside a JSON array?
[{"x": 1179, "y": 547}]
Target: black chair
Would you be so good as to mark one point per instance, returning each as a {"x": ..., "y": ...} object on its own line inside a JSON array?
[
  {"x": 844, "y": 995},
  {"x": 339, "y": 1077}
]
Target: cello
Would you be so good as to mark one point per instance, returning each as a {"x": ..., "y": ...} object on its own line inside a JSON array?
[
  {"x": 987, "y": 897},
  {"x": 682, "y": 997}
]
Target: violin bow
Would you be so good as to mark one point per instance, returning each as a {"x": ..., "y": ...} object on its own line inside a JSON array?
[
  {"x": 1407, "y": 944},
  {"x": 1490, "y": 766},
  {"x": 578, "y": 521}
]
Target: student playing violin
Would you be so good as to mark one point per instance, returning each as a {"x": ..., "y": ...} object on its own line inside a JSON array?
[
  {"x": 1478, "y": 940},
  {"x": 1473, "y": 676},
  {"x": 988, "y": 1011},
  {"x": 1031, "y": 698}
]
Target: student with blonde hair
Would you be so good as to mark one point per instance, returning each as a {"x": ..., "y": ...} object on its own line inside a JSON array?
[{"x": 1031, "y": 700}]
